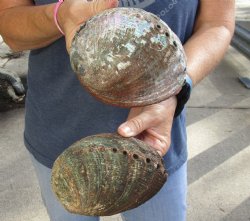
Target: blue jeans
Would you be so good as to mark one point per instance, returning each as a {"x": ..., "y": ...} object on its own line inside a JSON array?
[{"x": 169, "y": 204}]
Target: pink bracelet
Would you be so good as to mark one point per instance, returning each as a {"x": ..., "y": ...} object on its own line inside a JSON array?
[{"x": 55, "y": 15}]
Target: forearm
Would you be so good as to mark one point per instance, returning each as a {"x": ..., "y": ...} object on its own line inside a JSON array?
[
  {"x": 213, "y": 31},
  {"x": 25, "y": 26},
  {"x": 205, "y": 49},
  {"x": 28, "y": 27}
]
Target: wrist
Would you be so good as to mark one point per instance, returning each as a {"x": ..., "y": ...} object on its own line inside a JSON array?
[
  {"x": 57, "y": 14},
  {"x": 51, "y": 29},
  {"x": 189, "y": 81}
]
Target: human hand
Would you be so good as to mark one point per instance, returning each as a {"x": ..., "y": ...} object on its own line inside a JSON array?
[
  {"x": 152, "y": 124},
  {"x": 72, "y": 14}
]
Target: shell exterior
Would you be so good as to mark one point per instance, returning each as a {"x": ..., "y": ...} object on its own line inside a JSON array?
[
  {"x": 105, "y": 174},
  {"x": 128, "y": 57}
]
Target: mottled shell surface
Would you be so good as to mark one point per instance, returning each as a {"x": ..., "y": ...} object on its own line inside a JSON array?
[
  {"x": 128, "y": 57},
  {"x": 106, "y": 174}
]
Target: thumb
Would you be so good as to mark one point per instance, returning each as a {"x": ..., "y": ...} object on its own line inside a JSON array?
[{"x": 136, "y": 125}]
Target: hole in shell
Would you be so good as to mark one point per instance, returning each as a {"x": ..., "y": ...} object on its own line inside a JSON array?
[
  {"x": 158, "y": 26},
  {"x": 165, "y": 172},
  {"x": 148, "y": 160},
  {"x": 175, "y": 44},
  {"x": 158, "y": 166},
  {"x": 114, "y": 150},
  {"x": 138, "y": 16},
  {"x": 167, "y": 34},
  {"x": 135, "y": 156},
  {"x": 125, "y": 152}
]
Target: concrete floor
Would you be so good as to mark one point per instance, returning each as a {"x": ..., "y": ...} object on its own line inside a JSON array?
[{"x": 218, "y": 125}]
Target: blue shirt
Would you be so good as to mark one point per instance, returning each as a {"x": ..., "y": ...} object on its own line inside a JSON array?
[{"x": 58, "y": 109}]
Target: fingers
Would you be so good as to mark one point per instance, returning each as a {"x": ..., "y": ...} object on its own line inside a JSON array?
[
  {"x": 139, "y": 126},
  {"x": 152, "y": 124},
  {"x": 140, "y": 119},
  {"x": 159, "y": 142}
]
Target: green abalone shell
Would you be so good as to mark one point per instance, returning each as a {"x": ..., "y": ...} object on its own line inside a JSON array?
[
  {"x": 106, "y": 174},
  {"x": 128, "y": 57}
]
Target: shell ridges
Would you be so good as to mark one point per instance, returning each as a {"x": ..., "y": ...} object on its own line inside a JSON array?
[
  {"x": 128, "y": 57},
  {"x": 106, "y": 174}
]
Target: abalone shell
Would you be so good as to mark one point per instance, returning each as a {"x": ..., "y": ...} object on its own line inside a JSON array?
[
  {"x": 105, "y": 174},
  {"x": 128, "y": 57}
]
